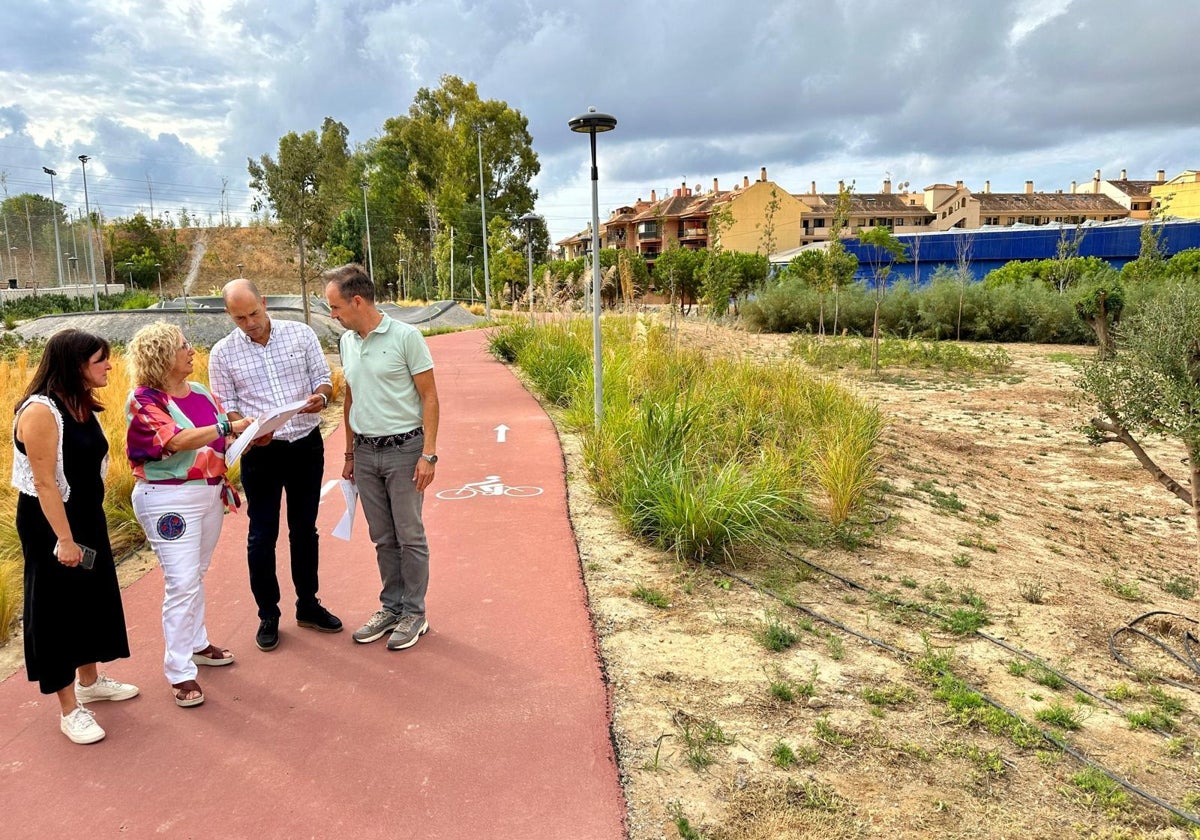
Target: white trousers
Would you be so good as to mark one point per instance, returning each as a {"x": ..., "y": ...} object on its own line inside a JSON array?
[{"x": 183, "y": 524}]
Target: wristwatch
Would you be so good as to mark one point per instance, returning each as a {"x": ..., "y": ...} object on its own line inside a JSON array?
[{"x": 430, "y": 458}]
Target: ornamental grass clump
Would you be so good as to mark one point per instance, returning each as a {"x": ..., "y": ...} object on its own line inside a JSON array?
[{"x": 700, "y": 456}]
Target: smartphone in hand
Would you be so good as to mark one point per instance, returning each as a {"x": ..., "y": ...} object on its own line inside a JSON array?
[{"x": 89, "y": 557}]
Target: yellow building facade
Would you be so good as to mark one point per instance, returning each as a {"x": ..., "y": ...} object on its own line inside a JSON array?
[{"x": 1179, "y": 197}]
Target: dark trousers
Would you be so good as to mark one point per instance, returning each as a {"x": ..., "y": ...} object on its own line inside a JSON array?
[{"x": 268, "y": 472}]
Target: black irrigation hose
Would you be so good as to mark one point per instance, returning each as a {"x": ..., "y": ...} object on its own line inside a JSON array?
[
  {"x": 907, "y": 657},
  {"x": 1131, "y": 627}
]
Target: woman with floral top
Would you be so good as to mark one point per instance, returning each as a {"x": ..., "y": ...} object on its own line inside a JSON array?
[{"x": 176, "y": 447}]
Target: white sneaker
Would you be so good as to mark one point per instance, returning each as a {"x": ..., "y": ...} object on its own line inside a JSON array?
[
  {"x": 81, "y": 727},
  {"x": 104, "y": 688}
]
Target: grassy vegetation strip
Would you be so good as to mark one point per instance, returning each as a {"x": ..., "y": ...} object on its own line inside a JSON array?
[
  {"x": 840, "y": 352},
  {"x": 698, "y": 456}
]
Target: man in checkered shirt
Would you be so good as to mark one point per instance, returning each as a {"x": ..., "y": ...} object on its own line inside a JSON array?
[{"x": 261, "y": 365}]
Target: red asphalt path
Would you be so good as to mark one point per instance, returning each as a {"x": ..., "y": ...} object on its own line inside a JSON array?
[{"x": 495, "y": 725}]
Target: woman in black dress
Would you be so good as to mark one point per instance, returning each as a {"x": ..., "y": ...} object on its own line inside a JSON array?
[{"x": 73, "y": 615}]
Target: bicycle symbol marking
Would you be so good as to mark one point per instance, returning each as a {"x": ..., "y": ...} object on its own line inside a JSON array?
[{"x": 490, "y": 486}]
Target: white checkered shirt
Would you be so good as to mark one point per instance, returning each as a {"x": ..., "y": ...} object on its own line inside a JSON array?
[{"x": 252, "y": 379}]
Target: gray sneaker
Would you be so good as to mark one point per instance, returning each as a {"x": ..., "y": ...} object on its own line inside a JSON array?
[
  {"x": 408, "y": 629},
  {"x": 376, "y": 626}
]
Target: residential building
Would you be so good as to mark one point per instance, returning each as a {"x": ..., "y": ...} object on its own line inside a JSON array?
[{"x": 1179, "y": 197}]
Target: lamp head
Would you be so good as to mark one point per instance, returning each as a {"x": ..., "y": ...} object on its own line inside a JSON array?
[
  {"x": 529, "y": 218},
  {"x": 84, "y": 159},
  {"x": 49, "y": 171},
  {"x": 593, "y": 122}
]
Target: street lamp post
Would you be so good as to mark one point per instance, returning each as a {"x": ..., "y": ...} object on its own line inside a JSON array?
[
  {"x": 83, "y": 159},
  {"x": 487, "y": 278},
  {"x": 54, "y": 209},
  {"x": 403, "y": 286},
  {"x": 367, "y": 216},
  {"x": 471, "y": 276},
  {"x": 529, "y": 219},
  {"x": 12, "y": 257},
  {"x": 591, "y": 124},
  {"x": 158, "y": 271},
  {"x": 129, "y": 268}
]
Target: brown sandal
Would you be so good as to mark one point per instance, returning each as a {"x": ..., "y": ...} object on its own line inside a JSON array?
[
  {"x": 212, "y": 655},
  {"x": 187, "y": 694}
]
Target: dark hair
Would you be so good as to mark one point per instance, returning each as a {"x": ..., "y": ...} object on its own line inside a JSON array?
[
  {"x": 60, "y": 372},
  {"x": 351, "y": 279}
]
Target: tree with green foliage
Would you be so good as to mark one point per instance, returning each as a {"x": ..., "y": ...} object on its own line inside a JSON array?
[
  {"x": 1151, "y": 262},
  {"x": 675, "y": 273},
  {"x": 1099, "y": 300},
  {"x": 1150, "y": 386},
  {"x": 306, "y": 186},
  {"x": 837, "y": 258},
  {"x": 886, "y": 250}
]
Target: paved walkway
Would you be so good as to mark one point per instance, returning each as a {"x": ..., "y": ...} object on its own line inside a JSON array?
[{"x": 495, "y": 725}]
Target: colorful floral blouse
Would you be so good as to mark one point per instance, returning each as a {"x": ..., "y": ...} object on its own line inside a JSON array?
[{"x": 154, "y": 417}]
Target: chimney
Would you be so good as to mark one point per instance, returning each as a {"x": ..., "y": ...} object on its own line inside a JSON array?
[
  {"x": 1123, "y": 178},
  {"x": 762, "y": 174},
  {"x": 1160, "y": 176},
  {"x": 887, "y": 186},
  {"x": 697, "y": 190},
  {"x": 653, "y": 196},
  {"x": 745, "y": 180},
  {"x": 841, "y": 187},
  {"x": 1073, "y": 185},
  {"x": 958, "y": 185},
  {"x": 1096, "y": 182},
  {"x": 987, "y": 186},
  {"x": 1029, "y": 188},
  {"x": 715, "y": 187},
  {"x": 813, "y": 187}
]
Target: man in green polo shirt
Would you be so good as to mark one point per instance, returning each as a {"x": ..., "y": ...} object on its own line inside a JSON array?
[{"x": 391, "y": 421}]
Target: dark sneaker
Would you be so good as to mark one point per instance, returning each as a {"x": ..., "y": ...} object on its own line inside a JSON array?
[
  {"x": 408, "y": 629},
  {"x": 378, "y": 624},
  {"x": 267, "y": 637},
  {"x": 319, "y": 618}
]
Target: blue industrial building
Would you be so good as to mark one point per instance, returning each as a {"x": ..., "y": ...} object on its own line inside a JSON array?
[{"x": 988, "y": 248}]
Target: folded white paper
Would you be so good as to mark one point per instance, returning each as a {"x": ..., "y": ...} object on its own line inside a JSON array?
[
  {"x": 264, "y": 425},
  {"x": 346, "y": 523}
]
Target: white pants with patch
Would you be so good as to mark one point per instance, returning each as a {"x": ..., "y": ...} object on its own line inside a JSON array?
[{"x": 183, "y": 524}]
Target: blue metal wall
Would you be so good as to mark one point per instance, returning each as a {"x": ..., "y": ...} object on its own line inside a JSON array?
[{"x": 991, "y": 248}]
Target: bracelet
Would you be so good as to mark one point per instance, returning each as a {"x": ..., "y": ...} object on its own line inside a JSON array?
[
  {"x": 349, "y": 456},
  {"x": 324, "y": 397}
]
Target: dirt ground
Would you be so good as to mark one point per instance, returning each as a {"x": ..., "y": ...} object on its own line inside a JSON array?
[{"x": 994, "y": 502}]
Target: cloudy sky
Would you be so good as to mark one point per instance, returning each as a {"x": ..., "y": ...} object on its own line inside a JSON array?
[{"x": 169, "y": 97}]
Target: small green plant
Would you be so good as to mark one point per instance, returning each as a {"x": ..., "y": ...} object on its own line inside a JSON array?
[
  {"x": 837, "y": 648},
  {"x": 1181, "y": 587},
  {"x": 1043, "y": 675},
  {"x": 1056, "y": 714},
  {"x": 699, "y": 737},
  {"x": 827, "y": 733},
  {"x": 889, "y": 695},
  {"x": 783, "y": 755},
  {"x": 939, "y": 498},
  {"x": 964, "y": 621},
  {"x": 1128, "y": 591},
  {"x": 908, "y": 582},
  {"x": 652, "y": 764},
  {"x": 1120, "y": 691},
  {"x": 783, "y": 691},
  {"x": 776, "y": 636},
  {"x": 977, "y": 541},
  {"x": 1152, "y": 718},
  {"x": 653, "y": 597},
  {"x": 682, "y": 824},
  {"x": 1099, "y": 790},
  {"x": 1032, "y": 590},
  {"x": 1018, "y": 667},
  {"x": 962, "y": 560}
]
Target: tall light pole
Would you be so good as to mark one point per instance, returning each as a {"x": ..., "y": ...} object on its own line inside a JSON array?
[
  {"x": 367, "y": 215},
  {"x": 591, "y": 124},
  {"x": 54, "y": 208},
  {"x": 487, "y": 278},
  {"x": 471, "y": 275},
  {"x": 529, "y": 219},
  {"x": 158, "y": 271},
  {"x": 403, "y": 285},
  {"x": 129, "y": 268},
  {"x": 12, "y": 257},
  {"x": 83, "y": 159}
]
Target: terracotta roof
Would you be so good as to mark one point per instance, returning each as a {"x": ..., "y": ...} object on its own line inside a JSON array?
[
  {"x": 862, "y": 203},
  {"x": 1134, "y": 188},
  {"x": 1044, "y": 203}
]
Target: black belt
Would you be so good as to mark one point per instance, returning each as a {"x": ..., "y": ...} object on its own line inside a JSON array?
[{"x": 387, "y": 440}]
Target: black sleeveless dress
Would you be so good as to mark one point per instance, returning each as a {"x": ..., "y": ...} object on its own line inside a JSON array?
[{"x": 73, "y": 616}]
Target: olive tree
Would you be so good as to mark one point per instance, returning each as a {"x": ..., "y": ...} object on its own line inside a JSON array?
[{"x": 1150, "y": 387}]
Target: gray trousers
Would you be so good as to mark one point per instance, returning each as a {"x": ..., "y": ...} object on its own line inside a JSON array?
[{"x": 392, "y": 506}]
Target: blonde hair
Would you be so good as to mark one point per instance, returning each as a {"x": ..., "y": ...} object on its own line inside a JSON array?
[{"x": 150, "y": 354}]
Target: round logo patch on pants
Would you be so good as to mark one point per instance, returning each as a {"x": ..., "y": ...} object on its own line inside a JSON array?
[{"x": 171, "y": 526}]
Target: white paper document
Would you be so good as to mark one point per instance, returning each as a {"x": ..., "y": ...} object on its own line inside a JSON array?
[
  {"x": 264, "y": 425},
  {"x": 346, "y": 523}
]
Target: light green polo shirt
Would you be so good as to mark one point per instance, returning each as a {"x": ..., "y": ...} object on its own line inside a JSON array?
[{"x": 380, "y": 370}]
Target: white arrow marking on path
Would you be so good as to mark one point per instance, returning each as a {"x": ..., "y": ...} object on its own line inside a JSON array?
[
  {"x": 501, "y": 432},
  {"x": 329, "y": 485}
]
